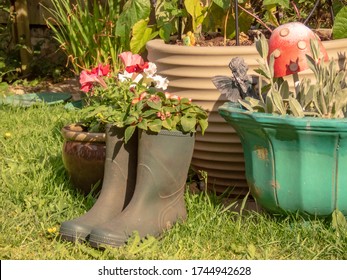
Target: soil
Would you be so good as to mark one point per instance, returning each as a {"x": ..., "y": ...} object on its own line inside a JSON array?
[{"x": 217, "y": 39}]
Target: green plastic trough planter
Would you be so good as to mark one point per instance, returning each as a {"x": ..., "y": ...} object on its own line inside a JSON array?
[{"x": 293, "y": 164}]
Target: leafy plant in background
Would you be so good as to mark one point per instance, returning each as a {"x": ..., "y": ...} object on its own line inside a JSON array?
[
  {"x": 9, "y": 52},
  {"x": 340, "y": 24},
  {"x": 194, "y": 19},
  {"x": 198, "y": 17},
  {"x": 95, "y": 33},
  {"x": 314, "y": 13}
]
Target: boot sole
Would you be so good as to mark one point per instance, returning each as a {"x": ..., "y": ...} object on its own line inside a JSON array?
[{"x": 74, "y": 236}]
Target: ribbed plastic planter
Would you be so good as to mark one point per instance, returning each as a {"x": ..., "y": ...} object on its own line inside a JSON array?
[
  {"x": 293, "y": 164},
  {"x": 190, "y": 70}
]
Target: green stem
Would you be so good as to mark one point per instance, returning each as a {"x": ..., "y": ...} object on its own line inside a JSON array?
[
  {"x": 296, "y": 84},
  {"x": 256, "y": 18},
  {"x": 225, "y": 26}
]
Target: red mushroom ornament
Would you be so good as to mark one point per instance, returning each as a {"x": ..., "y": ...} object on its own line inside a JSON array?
[{"x": 290, "y": 43}]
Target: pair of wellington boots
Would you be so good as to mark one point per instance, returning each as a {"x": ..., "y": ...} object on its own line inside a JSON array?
[{"x": 142, "y": 190}]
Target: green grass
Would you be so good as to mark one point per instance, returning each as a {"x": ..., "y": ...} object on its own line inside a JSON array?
[{"x": 36, "y": 197}]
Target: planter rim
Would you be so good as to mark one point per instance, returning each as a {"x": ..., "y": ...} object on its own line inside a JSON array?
[
  {"x": 73, "y": 132},
  {"x": 160, "y": 45},
  {"x": 231, "y": 110}
]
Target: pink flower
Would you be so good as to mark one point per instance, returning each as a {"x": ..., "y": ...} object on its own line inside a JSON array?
[
  {"x": 154, "y": 98},
  {"x": 128, "y": 58},
  {"x": 133, "y": 63},
  {"x": 137, "y": 68},
  {"x": 88, "y": 78},
  {"x": 143, "y": 95},
  {"x": 175, "y": 97},
  {"x": 135, "y": 100},
  {"x": 163, "y": 116},
  {"x": 101, "y": 70}
]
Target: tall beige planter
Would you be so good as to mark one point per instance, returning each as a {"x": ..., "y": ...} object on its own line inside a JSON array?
[{"x": 189, "y": 70}]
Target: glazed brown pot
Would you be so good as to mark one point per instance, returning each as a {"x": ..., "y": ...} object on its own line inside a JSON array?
[
  {"x": 84, "y": 157},
  {"x": 190, "y": 69}
]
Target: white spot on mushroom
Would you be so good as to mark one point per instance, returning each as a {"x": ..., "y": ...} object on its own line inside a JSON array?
[
  {"x": 302, "y": 45},
  {"x": 284, "y": 32},
  {"x": 277, "y": 53}
]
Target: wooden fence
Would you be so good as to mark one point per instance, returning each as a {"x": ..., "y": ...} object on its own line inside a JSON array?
[
  {"x": 27, "y": 13},
  {"x": 36, "y": 12}
]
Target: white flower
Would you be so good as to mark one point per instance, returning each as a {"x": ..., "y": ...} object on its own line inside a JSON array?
[
  {"x": 151, "y": 70},
  {"x": 125, "y": 76},
  {"x": 137, "y": 79},
  {"x": 160, "y": 82}
]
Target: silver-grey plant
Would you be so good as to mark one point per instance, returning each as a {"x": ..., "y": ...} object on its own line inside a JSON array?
[{"x": 324, "y": 98}]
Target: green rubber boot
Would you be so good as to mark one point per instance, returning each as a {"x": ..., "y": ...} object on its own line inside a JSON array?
[
  {"x": 158, "y": 201},
  {"x": 117, "y": 188}
]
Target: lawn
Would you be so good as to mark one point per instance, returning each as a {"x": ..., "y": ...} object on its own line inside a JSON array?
[{"x": 36, "y": 197}]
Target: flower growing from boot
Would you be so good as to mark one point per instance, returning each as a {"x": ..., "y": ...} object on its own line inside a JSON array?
[
  {"x": 292, "y": 48},
  {"x": 136, "y": 97}
]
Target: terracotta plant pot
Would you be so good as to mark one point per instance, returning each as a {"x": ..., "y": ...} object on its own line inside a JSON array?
[
  {"x": 190, "y": 70},
  {"x": 83, "y": 156}
]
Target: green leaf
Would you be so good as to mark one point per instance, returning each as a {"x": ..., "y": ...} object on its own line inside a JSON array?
[
  {"x": 284, "y": 90},
  {"x": 224, "y": 4},
  {"x": 312, "y": 64},
  {"x": 262, "y": 72},
  {"x": 130, "y": 120},
  {"x": 282, "y": 3},
  {"x": 246, "y": 104},
  {"x": 295, "y": 107},
  {"x": 149, "y": 113},
  {"x": 141, "y": 35},
  {"x": 188, "y": 123},
  {"x": 193, "y": 7},
  {"x": 269, "y": 104},
  {"x": 165, "y": 31},
  {"x": 278, "y": 102},
  {"x": 203, "y": 125},
  {"x": 155, "y": 105},
  {"x": 262, "y": 46},
  {"x": 167, "y": 123},
  {"x": 245, "y": 23},
  {"x": 129, "y": 131},
  {"x": 253, "y": 104},
  {"x": 339, "y": 221},
  {"x": 155, "y": 125},
  {"x": 271, "y": 64},
  {"x": 340, "y": 24},
  {"x": 133, "y": 11},
  {"x": 142, "y": 124}
]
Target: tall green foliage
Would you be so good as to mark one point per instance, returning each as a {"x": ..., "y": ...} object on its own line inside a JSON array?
[
  {"x": 92, "y": 32},
  {"x": 9, "y": 52}
]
